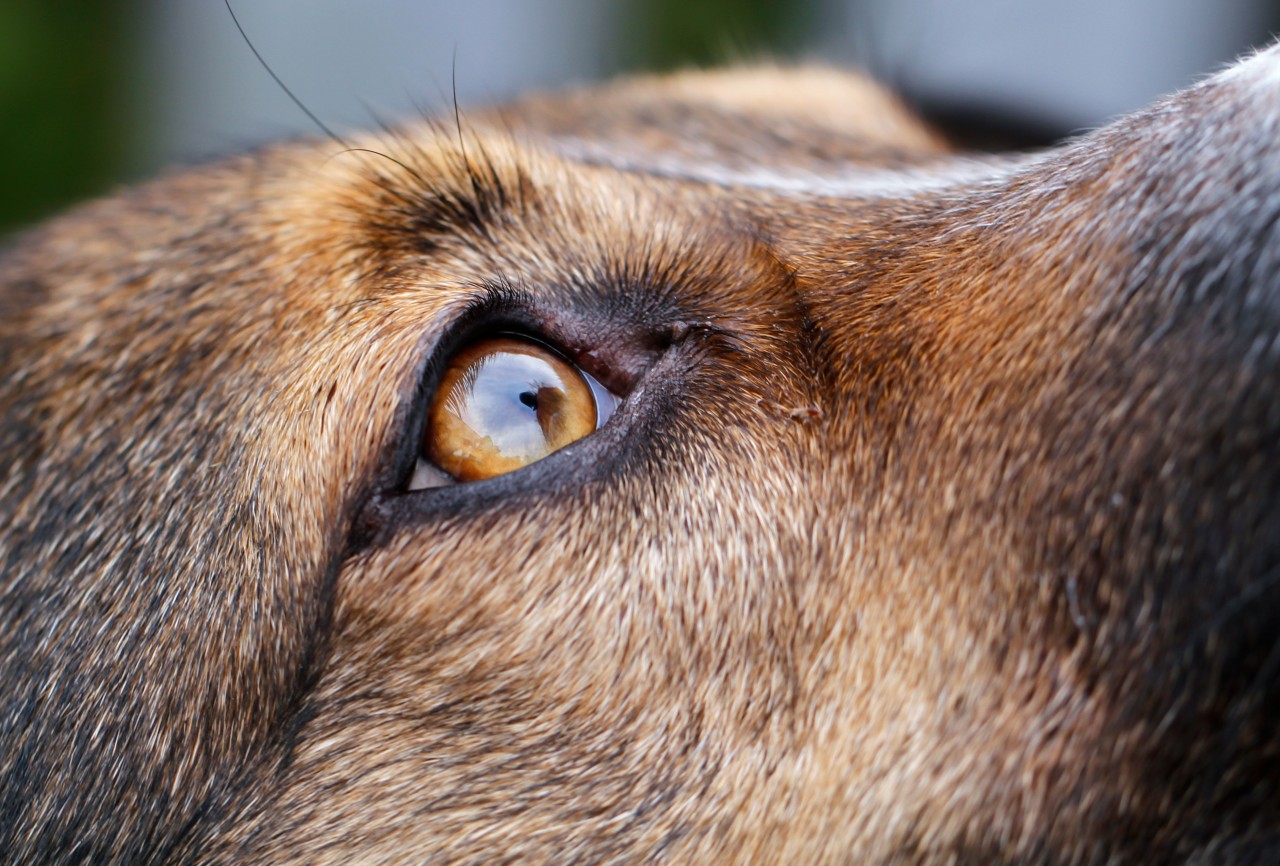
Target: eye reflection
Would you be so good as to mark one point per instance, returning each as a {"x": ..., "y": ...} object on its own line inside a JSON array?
[{"x": 504, "y": 403}]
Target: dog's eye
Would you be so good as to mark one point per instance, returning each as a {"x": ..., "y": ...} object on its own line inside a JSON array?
[{"x": 503, "y": 403}]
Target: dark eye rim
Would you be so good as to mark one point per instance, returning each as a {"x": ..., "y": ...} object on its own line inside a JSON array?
[{"x": 390, "y": 506}]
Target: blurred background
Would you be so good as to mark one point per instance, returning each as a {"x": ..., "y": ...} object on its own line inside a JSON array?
[{"x": 94, "y": 93}]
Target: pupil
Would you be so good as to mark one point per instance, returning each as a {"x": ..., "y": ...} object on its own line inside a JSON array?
[{"x": 529, "y": 398}]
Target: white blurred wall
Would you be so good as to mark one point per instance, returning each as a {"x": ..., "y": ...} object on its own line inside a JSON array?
[
  {"x": 349, "y": 61},
  {"x": 1071, "y": 63}
]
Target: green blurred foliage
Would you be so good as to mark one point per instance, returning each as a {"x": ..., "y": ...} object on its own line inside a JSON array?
[
  {"x": 62, "y": 64},
  {"x": 672, "y": 34}
]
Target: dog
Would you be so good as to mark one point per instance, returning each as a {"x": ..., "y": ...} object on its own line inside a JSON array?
[{"x": 712, "y": 468}]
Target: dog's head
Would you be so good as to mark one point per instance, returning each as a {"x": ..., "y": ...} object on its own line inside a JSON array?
[{"x": 892, "y": 506}]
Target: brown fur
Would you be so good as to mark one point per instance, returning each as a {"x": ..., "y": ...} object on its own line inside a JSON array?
[{"x": 939, "y": 524}]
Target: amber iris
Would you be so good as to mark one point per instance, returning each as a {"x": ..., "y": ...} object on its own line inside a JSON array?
[{"x": 502, "y": 404}]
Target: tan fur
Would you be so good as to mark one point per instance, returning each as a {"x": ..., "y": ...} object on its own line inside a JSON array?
[{"x": 937, "y": 525}]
